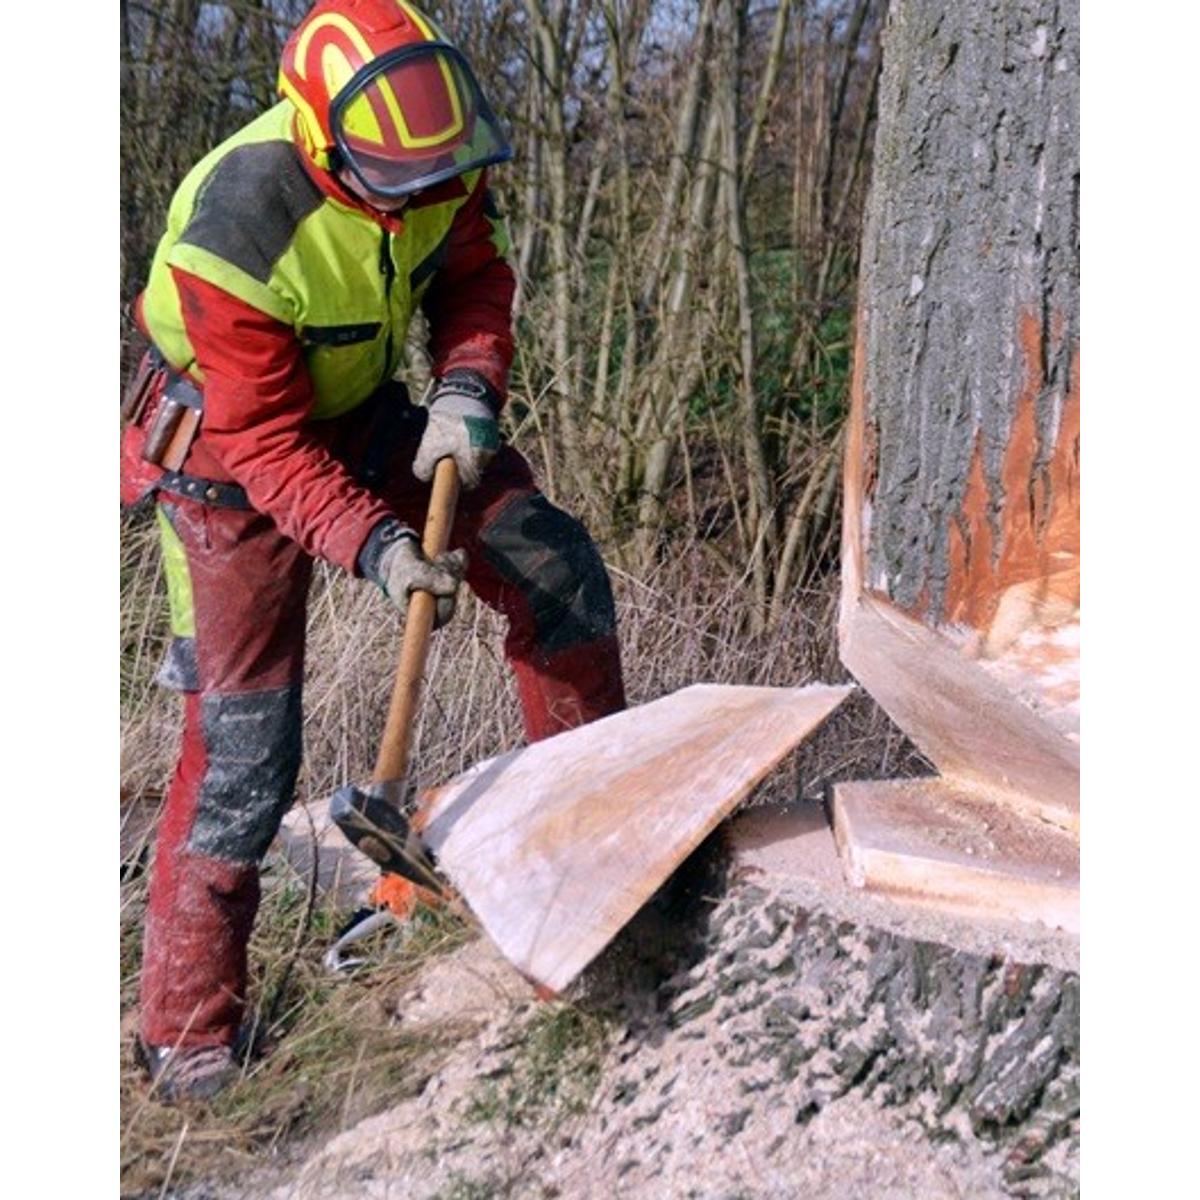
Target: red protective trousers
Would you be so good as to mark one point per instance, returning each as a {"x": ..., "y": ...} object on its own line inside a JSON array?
[{"x": 242, "y": 671}]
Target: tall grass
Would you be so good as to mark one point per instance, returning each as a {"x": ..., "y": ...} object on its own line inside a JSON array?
[{"x": 681, "y": 622}]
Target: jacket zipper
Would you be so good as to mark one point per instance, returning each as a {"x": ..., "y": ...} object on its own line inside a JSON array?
[{"x": 389, "y": 274}]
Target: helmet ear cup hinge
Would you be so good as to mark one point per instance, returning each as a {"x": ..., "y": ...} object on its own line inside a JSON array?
[{"x": 310, "y": 139}]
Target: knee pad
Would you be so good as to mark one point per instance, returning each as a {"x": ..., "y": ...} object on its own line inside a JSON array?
[
  {"x": 550, "y": 559},
  {"x": 252, "y": 758}
]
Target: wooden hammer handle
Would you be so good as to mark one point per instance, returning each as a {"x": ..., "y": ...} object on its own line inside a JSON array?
[{"x": 392, "y": 762}]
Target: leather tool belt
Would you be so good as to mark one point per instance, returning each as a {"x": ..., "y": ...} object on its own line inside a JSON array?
[{"x": 169, "y": 407}]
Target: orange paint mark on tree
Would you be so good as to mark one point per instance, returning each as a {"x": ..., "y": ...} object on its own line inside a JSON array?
[
  {"x": 1034, "y": 580},
  {"x": 970, "y": 540}
]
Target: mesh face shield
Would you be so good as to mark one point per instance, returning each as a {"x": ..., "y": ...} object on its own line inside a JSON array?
[{"x": 414, "y": 118}]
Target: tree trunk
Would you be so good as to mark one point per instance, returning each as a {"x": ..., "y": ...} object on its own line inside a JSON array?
[
  {"x": 547, "y": 22},
  {"x": 760, "y": 501},
  {"x": 961, "y": 535}
]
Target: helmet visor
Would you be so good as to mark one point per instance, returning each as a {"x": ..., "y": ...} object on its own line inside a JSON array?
[{"x": 414, "y": 118}]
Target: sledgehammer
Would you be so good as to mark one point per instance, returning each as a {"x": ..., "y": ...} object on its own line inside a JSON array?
[{"x": 371, "y": 817}]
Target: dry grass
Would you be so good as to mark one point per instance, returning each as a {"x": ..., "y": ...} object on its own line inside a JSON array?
[{"x": 333, "y": 1053}]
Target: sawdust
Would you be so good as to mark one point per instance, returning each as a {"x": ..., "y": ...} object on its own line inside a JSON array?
[{"x": 703, "y": 1088}]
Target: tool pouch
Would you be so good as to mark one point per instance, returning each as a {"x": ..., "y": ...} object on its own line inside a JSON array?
[
  {"x": 163, "y": 410},
  {"x": 141, "y": 386},
  {"x": 138, "y": 407},
  {"x": 160, "y": 412},
  {"x": 175, "y": 424}
]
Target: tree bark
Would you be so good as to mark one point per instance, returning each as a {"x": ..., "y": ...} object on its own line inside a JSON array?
[{"x": 962, "y": 467}]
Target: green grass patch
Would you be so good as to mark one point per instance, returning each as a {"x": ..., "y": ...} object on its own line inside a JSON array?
[{"x": 554, "y": 1073}]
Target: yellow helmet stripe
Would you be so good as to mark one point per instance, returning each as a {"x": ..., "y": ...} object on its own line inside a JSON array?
[
  {"x": 301, "y": 60},
  {"x": 306, "y": 110},
  {"x": 433, "y": 33},
  {"x": 347, "y": 27},
  {"x": 418, "y": 19},
  {"x": 407, "y": 137},
  {"x": 338, "y": 22}
]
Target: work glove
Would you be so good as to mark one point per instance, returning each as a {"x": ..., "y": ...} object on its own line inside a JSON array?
[
  {"x": 393, "y": 559},
  {"x": 462, "y": 425}
]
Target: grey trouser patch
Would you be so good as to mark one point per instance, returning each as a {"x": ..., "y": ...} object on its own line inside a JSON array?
[
  {"x": 178, "y": 670},
  {"x": 550, "y": 558},
  {"x": 252, "y": 743}
]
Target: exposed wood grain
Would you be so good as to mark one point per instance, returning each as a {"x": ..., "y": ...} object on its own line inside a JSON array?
[
  {"x": 788, "y": 843},
  {"x": 968, "y": 723},
  {"x": 555, "y": 846},
  {"x": 953, "y": 848}
]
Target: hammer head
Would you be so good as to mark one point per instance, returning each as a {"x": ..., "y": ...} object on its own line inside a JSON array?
[{"x": 375, "y": 826}]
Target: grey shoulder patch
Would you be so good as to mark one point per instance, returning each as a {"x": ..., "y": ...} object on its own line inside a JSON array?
[{"x": 249, "y": 207}]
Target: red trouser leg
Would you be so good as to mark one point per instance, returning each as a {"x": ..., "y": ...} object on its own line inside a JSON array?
[
  {"x": 197, "y": 922},
  {"x": 241, "y": 745},
  {"x": 236, "y": 771},
  {"x": 537, "y": 566}
]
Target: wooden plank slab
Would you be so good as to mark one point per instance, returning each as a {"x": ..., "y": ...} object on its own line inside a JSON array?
[
  {"x": 555, "y": 846},
  {"x": 790, "y": 852},
  {"x": 950, "y": 847}
]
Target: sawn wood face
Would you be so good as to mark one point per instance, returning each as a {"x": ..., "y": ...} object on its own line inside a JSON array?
[
  {"x": 555, "y": 846},
  {"x": 955, "y": 849}
]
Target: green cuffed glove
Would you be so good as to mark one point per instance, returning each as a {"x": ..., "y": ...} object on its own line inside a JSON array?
[
  {"x": 462, "y": 426},
  {"x": 393, "y": 559}
]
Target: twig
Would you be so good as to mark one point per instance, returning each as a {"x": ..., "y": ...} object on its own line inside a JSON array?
[{"x": 174, "y": 1159}]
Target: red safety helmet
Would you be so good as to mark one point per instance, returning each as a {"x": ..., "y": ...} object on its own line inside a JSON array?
[{"x": 378, "y": 88}]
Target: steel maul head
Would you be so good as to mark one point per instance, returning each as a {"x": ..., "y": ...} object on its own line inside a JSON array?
[
  {"x": 342, "y": 808},
  {"x": 374, "y": 849},
  {"x": 400, "y": 793},
  {"x": 380, "y": 832}
]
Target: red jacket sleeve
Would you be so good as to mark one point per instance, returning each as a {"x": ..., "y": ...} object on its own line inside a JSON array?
[
  {"x": 257, "y": 396},
  {"x": 469, "y": 301}
]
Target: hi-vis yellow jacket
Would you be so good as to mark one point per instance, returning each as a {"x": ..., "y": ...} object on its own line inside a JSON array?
[
  {"x": 288, "y": 302},
  {"x": 250, "y": 219}
]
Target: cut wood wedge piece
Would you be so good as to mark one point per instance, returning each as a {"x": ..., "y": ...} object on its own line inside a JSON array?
[
  {"x": 947, "y": 846},
  {"x": 555, "y": 846}
]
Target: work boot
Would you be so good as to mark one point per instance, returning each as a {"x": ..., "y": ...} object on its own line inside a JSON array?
[{"x": 187, "y": 1072}]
